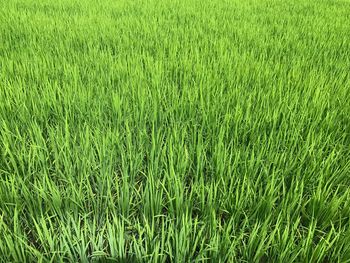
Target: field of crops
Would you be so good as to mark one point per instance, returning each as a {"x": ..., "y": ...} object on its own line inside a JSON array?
[{"x": 175, "y": 131}]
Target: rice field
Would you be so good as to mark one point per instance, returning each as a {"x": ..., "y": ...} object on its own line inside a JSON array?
[{"x": 175, "y": 131}]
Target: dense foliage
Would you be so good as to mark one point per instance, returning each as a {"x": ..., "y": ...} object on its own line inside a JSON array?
[{"x": 175, "y": 131}]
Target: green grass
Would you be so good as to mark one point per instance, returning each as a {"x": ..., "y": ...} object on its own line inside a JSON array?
[{"x": 175, "y": 131}]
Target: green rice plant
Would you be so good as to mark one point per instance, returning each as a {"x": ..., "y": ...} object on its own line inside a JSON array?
[{"x": 174, "y": 131}]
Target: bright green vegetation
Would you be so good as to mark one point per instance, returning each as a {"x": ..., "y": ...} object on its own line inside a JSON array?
[{"x": 175, "y": 131}]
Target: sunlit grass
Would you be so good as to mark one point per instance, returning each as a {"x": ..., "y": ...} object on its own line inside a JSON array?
[{"x": 174, "y": 131}]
